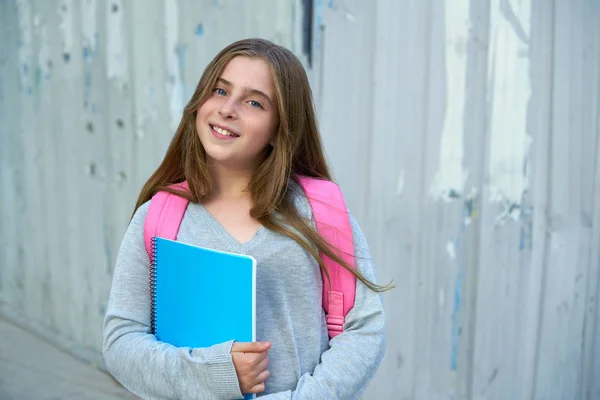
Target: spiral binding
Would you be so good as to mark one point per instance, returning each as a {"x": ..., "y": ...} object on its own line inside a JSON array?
[{"x": 153, "y": 285}]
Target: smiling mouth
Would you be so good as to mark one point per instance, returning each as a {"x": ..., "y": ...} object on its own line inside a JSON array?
[{"x": 223, "y": 132}]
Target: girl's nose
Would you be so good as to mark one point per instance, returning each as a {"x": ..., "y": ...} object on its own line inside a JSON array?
[{"x": 228, "y": 109}]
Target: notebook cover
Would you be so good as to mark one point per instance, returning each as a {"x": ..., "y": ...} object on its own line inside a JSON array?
[{"x": 202, "y": 297}]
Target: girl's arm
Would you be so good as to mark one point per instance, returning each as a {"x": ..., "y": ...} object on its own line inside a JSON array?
[
  {"x": 350, "y": 363},
  {"x": 145, "y": 366}
]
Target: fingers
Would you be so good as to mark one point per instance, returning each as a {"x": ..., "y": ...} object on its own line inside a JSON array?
[
  {"x": 260, "y": 357},
  {"x": 257, "y": 389},
  {"x": 255, "y": 362},
  {"x": 258, "y": 383},
  {"x": 262, "y": 365},
  {"x": 250, "y": 347},
  {"x": 263, "y": 376},
  {"x": 250, "y": 360}
]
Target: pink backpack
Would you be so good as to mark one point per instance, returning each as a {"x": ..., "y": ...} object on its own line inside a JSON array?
[{"x": 331, "y": 217}]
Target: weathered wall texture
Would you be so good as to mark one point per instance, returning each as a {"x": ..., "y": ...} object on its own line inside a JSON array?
[{"x": 464, "y": 134}]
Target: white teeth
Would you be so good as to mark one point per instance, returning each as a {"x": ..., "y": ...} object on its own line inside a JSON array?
[{"x": 223, "y": 132}]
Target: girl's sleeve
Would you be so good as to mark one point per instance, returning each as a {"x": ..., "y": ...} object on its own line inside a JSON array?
[
  {"x": 145, "y": 366},
  {"x": 353, "y": 357}
]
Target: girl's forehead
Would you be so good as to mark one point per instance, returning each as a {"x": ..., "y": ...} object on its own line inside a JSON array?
[{"x": 246, "y": 72}]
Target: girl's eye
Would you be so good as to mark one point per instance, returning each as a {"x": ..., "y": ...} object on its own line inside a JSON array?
[
  {"x": 255, "y": 104},
  {"x": 220, "y": 91}
]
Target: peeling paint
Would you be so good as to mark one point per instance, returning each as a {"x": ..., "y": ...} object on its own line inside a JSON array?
[
  {"x": 451, "y": 175},
  {"x": 509, "y": 15},
  {"x": 25, "y": 45},
  {"x": 89, "y": 51},
  {"x": 66, "y": 26},
  {"x": 511, "y": 211},
  {"x": 509, "y": 97},
  {"x": 456, "y": 326},
  {"x": 467, "y": 291},
  {"x": 175, "y": 53},
  {"x": 526, "y": 220},
  {"x": 149, "y": 115},
  {"x": 89, "y": 28},
  {"x": 451, "y": 250},
  {"x": 116, "y": 57},
  {"x": 400, "y": 187},
  {"x": 456, "y": 249},
  {"x": 199, "y": 32},
  {"x": 44, "y": 54},
  {"x": 526, "y": 231},
  {"x": 319, "y": 25},
  {"x": 342, "y": 8},
  {"x": 471, "y": 211}
]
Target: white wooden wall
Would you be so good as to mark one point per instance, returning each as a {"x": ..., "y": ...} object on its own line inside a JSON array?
[{"x": 464, "y": 134}]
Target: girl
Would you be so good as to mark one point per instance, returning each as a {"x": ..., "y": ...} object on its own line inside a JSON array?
[{"x": 247, "y": 133}]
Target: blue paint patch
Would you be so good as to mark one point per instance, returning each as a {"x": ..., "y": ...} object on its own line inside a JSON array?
[
  {"x": 456, "y": 329},
  {"x": 331, "y": 4},
  {"x": 88, "y": 52},
  {"x": 526, "y": 222},
  {"x": 87, "y": 80},
  {"x": 199, "y": 30},
  {"x": 38, "y": 77},
  {"x": 87, "y": 87},
  {"x": 180, "y": 50},
  {"x": 522, "y": 238},
  {"x": 319, "y": 22}
]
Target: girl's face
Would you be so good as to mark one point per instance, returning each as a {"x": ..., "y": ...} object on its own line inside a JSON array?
[{"x": 238, "y": 121}]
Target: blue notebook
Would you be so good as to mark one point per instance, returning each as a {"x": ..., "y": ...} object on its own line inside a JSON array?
[{"x": 201, "y": 297}]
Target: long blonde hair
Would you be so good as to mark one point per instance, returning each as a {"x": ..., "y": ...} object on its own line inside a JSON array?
[{"x": 296, "y": 151}]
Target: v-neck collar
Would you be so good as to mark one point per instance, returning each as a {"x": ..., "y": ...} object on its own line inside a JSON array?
[{"x": 232, "y": 243}]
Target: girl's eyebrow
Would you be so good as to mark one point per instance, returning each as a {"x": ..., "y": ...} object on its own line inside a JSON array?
[{"x": 247, "y": 89}]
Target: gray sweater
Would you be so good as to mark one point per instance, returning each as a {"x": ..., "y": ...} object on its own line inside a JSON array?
[{"x": 304, "y": 363}]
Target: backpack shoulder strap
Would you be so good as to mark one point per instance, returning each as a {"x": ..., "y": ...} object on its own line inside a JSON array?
[
  {"x": 333, "y": 224},
  {"x": 164, "y": 216}
]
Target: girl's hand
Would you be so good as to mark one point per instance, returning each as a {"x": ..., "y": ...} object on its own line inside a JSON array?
[{"x": 250, "y": 361}]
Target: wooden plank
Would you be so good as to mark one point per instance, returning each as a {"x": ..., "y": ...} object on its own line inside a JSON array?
[
  {"x": 414, "y": 230},
  {"x": 342, "y": 65},
  {"x": 503, "y": 243},
  {"x": 590, "y": 384},
  {"x": 560, "y": 347},
  {"x": 476, "y": 155},
  {"x": 391, "y": 205},
  {"x": 11, "y": 172},
  {"x": 542, "y": 26}
]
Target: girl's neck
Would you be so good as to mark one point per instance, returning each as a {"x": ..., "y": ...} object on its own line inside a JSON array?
[{"x": 229, "y": 184}]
